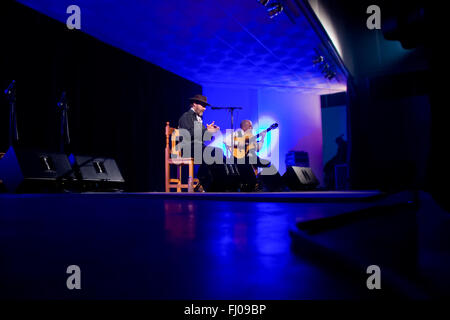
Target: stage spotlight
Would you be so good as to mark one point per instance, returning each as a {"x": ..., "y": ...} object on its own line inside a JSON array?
[
  {"x": 324, "y": 68},
  {"x": 330, "y": 75},
  {"x": 274, "y": 9},
  {"x": 319, "y": 59},
  {"x": 263, "y": 2},
  {"x": 323, "y": 65}
]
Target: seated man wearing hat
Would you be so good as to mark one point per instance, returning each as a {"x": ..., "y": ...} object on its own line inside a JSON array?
[
  {"x": 192, "y": 121},
  {"x": 194, "y": 118}
]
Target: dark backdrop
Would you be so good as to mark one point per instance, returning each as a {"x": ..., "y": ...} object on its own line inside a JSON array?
[
  {"x": 118, "y": 103},
  {"x": 397, "y": 129},
  {"x": 390, "y": 119}
]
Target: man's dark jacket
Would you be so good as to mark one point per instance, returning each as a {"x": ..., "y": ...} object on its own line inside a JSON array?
[{"x": 188, "y": 121}]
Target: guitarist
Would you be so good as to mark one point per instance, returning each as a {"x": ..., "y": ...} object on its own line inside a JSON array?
[
  {"x": 247, "y": 144},
  {"x": 247, "y": 132},
  {"x": 244, "y": 151}
]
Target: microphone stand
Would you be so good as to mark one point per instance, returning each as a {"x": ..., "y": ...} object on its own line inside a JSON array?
[
  {"x": 65, "y": 135},
  {"x": 11, "y": 96},
  {"x": 231, "y": 109}
]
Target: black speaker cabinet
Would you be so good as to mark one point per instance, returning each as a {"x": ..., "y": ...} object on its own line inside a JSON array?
[
  {"x": 300, "y": 178},
  {"x": 247, "y": 177},
  {"x": 97, "y": 173},
  {"x": 271, "y": 183},
  {"x": 24, "y": 170},
  {"x": 219, "y": 177}
]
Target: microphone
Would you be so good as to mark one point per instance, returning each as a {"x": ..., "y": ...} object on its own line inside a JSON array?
[
  {"x": 11, "y": 88},
  {"x": 63, "y": 101}
]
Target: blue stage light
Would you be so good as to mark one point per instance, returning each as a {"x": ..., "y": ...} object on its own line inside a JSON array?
[{"x": 274, "y": 9}]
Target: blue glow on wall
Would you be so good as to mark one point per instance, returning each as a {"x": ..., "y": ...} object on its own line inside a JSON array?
[{"x": 298, "y": 116}]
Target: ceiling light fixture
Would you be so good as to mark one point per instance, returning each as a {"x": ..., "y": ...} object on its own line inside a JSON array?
[
  {"x": 274, "y": 9},
  {"x": 318, "y": 59},
  {"x": 324, "y": 66},
  {"x": 330, "y": 75},
  {"x": 263, "y": 2}
]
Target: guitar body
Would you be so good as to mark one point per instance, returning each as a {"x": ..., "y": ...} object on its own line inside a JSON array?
[{"x": 243, "y": 145}]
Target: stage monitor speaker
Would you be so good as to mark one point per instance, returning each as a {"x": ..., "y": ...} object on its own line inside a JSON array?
[
  {"x": 300, "y": 178},
  {"x": 219, "y": 177},
  {"x": 271, "y": 183},
  {"x": 247, "y": 178},
  {"x": 97, "y": 173},
  {"x": 24, "y": 170}
]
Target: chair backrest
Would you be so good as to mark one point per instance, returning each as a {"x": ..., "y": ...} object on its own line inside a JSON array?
[{"x": 172, "y": 137}]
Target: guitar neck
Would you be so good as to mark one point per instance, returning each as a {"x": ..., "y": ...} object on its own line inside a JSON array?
[{"x": 267, "y": 130}]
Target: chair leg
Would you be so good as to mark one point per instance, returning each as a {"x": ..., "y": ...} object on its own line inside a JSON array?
[
  {"x": 191, "y": 177},
  {"x": 167, "y": 169},
  {"x": 179, "y": 178}
]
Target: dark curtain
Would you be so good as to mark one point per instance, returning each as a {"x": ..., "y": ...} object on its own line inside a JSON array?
[
  {"x": 118, "y": 103},
  {"x": 390, "y": 126}
]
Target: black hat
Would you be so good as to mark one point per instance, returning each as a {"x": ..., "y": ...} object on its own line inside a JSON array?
[{"x": 199, "y": 98}]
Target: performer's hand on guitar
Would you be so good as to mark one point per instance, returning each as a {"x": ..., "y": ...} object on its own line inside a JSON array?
[
  {"x": 263, "y": 135},
  {"x": 212, "y": 127}
]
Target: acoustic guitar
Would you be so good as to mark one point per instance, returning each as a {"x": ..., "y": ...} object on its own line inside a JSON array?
[{"x": 243, "y": 145}]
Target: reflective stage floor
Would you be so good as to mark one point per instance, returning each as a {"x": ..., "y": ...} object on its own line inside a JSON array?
[{"x": 166, "y": 246}]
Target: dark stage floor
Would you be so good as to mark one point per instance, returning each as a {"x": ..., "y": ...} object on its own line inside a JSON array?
[{"x": 166, "y": 246}]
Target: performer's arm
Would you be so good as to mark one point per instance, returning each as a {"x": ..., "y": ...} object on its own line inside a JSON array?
[{"x": 260, "y": 143}]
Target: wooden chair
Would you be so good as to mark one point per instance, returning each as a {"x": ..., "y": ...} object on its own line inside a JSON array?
[
  {"x": 173, "y": 157},
  {"x": 1, "y": 156}
]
